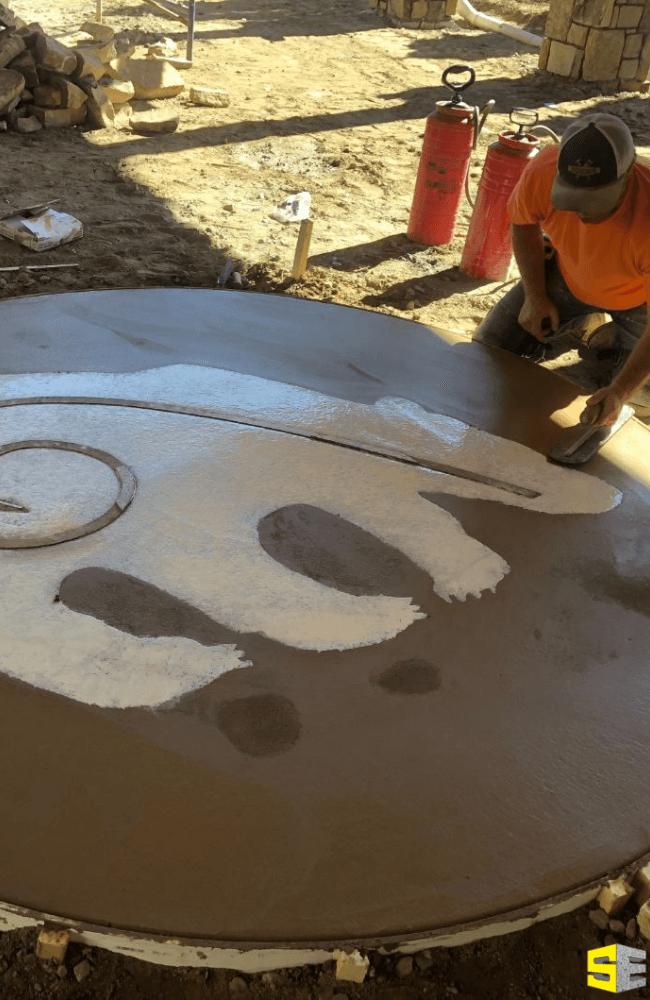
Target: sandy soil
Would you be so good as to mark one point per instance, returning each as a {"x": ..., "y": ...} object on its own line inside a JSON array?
[{"x": 329, "y": 99}]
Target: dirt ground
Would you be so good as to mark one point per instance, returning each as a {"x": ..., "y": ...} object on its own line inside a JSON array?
[{"x": 329, "y": 99}]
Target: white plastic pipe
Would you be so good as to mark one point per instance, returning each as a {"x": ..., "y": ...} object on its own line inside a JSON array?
[{"x": 466, "y": 10}]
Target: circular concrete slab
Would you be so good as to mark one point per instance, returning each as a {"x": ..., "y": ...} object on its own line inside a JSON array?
[{"x": 300, "y": 687}]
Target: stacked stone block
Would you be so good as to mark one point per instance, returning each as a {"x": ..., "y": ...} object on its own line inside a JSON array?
[
  {"x": 415, "y": 13},
  {"x": 604, "y": 41}
]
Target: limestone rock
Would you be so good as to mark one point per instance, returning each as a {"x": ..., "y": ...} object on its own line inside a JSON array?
[
  {"x": 118, "y": 91},
  {"x": 30, "y": 29},
  {"x": 628, "y": 69},
  {"x": 577, "y": 35},
  {"x": 28, "y": 124},
  {"x": 614, "y": 895},
  {"x": 105, "y": 51},
  {"x": 174, "y": 61},
  {"x": 25, "y": 65},
  {"x": 7, "y": 17},
  {"x": 59, "y": 117},
  {"x": 352, "y": 967},
  {"x": 13, "y": 104},
  {"x": 98, "y": 32},
  {"x": 123, "y": 114},
  {"x": 71, "y": 95},
  {"x": 643, "y": 920},
  {"x": 558, "y": 21},
  {"x": 89, "y": 64},
  {"x": 633, "y": 44},
  {"x": 47, "y": 96},
  {"x": 599, "y": 918},
  {"x": 628, "y": 17},
  {"x": 598, "y": 13},
  {"x": 154, "y": 122},
  {"x": 560, "y": 58},
  {"x": 165, "y": 48},
  {"x": 644, "y": 60},
  {"x": 210, "y": 96},
  {"x": 15, "y": 114},
  {"x": 101, "y": 113},
  {"x": 152, "y": 79},
  {"x": 82, "y": 970},
  {"x": 273, "y": 980},
  {"x": 404, "y": 967},
  {"x": 118, "y": 69},
  {"x": 52, "y": 55},
  {"x": 11, "y": 86},
  {"x": 603, "y": 53},
  {"x": 10, "y": 47}
]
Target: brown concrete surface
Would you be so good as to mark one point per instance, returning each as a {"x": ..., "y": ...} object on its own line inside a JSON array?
[{"x": 486, "y": 757}]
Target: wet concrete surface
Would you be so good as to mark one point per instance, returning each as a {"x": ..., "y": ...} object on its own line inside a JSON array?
[{"x": 196, "y": 773}]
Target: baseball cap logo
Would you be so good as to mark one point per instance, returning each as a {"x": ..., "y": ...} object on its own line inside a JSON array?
[{"x": 581, "y": 169}]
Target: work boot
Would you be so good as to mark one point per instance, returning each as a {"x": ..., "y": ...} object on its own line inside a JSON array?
[
  {"x": 605, "y": 341},
  {"x": 585, "y": 327}
]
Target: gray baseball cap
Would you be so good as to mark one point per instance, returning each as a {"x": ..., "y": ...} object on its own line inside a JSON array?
[{"x": 595, "y": 152}]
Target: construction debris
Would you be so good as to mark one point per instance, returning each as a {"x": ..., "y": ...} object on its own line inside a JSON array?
[
  {"x": 47, "y": 82},
  {"x": 352, "y": 968},
  {"x": 294, "y": 208},
  {"x": 52, "y": 944},
  {"x": 615, "y": 895},
  {"x": 643, "y": 920},
  {"x": 43, "y": 231},
  {"x": 642, "y": 881}
]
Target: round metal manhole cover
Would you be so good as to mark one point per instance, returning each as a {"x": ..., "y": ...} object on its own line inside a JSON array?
[{"x": 54, "y": 491}]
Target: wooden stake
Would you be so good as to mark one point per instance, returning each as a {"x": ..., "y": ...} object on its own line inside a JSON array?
[
  {"x": 99, "y": 12},
  {"x": 302, "y": 249}
]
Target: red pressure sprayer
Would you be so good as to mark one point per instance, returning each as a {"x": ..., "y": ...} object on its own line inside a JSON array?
[
  {"x": 451, "y": 134},
  {"x": 488, "y": 247}
]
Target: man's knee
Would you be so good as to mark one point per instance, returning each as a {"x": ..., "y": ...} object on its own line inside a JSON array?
[{"x": 501, "y": 328}]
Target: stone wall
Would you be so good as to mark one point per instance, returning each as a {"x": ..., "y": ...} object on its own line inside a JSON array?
[
  {"x": 415, "y": 13},
  {"x": 605, "y": 41}
]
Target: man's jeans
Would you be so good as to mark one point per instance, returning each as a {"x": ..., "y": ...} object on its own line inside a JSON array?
[{"x": 501, "y": 327}]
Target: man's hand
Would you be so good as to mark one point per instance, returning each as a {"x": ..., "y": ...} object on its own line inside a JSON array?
[
  {"x": 602, "y": 409},
  {"x": 532, "y": 314}
]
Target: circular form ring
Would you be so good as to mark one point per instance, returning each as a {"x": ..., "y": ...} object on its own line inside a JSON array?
[{"x": 125, "y": 477}]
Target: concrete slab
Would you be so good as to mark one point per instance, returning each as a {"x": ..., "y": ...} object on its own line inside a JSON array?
[{"x": 266, "y": 682}]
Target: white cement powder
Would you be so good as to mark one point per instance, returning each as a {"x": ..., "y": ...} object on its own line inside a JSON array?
[{"x": 191, "y": 529}]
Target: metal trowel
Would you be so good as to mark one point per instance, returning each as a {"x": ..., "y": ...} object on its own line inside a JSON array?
[{"x": 578, "y": 444}]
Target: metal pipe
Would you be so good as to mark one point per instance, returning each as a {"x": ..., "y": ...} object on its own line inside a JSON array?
[
  {"x": 465, "y": 9},
  {"x": 190, "y": 31}
]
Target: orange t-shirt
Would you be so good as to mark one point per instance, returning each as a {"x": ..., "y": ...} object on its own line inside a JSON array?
[{"x": 605, "y": 265}]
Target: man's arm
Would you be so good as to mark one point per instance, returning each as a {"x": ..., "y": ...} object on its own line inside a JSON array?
[
  {"x": 636, "y": 369},
  {"x": 528, "y": 247},
  {"x": 631, "y": 377}
]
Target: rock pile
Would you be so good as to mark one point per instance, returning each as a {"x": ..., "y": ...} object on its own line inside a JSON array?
[{"x": 45, "y": 82}]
